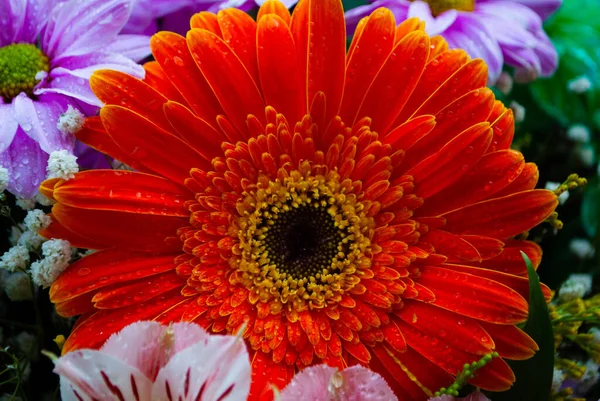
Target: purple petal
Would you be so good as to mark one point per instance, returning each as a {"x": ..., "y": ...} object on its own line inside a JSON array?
[
  {"x": 89, "y": 158},
  {"x": 399, "y": 8},
  {"x": 26, "y": 164},
  {"x": 11, "y": 21},
  {"x": 472, "y": 36},
  {"x": 71, "y": 86},
  {"x": 38, "y": 120},
  {"x": 8, "y": 125},
  {"x": 433, "y": 25},
  {"x": 544, "y": 8},
  {"x": 35, "y": 19},
  {"x": 287, "y": 3},
  {"x": 135, "y": 47},
  {"x": 83, "y": 66},
  {"x": 140, "y": 19},
  {"x": 83, "y": 26}
]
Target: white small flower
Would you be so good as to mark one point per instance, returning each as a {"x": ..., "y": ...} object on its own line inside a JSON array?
[
  {"x": 16, "y": 258},
  {"x": 17, "y": 286},
  {"x": 26, "y": 204},
  {"x": 71, "y": 121},
  {"x": 552, "y": 185},
  {"x": 42, "y": 200},
  {"x": 557, "y": 378},
  {"x": 518, "y": 111},
  {"x": 3, "y": 178},
  {"x": 590, "y": 377},
  {"x": 580, "y": 85},
  {"x": 31, "y": 240},
  {"x": 586, "y": 155},
  {"x": 36, "y": 219},
  {"x": 578, "y": 133},
  {"x": 27, "y": 344},
  {"x": 15, "y": 233},
  {"x": 595, "y": 331},
  {"x": 505, "y": 83},
  {"x": 57, "y": 254},
  {"x": 582, "y": 248},
  {"x": 62, "y": 164},
  {"x": 576, "y": 286}
]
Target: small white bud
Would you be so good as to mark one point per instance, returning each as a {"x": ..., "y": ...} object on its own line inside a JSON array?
[
  {"x": 62, "y": 164},
  {"x": 71, "y": 121},
  {"x": 579, "y": 85},
  {"x": 518, "y": 111}
]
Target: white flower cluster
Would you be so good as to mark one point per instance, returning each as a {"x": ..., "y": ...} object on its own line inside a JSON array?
[
  {"x": 576, "y": 286},
  {"x": 557, "y": 379},
  {"x": 595, "y": 331},
  {"x": 518, "y": 111},
  {"x": 62, "y": 164},
  {"x": 579, "y": 133},
  {"x": 70, "y": 121},
  {"x": 16, "y": 258},
  {"x": 26, "y": 204},
  {"x": 57, "y": 254},
  {"x": 36, "y": 219},
  {"x": 582, "y": 248},
  {"x": 3, "y": 178},
  {"x": 590, "y": 377},
  {"x": 580, "y": 85}
]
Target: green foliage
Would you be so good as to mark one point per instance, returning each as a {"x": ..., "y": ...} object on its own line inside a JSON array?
[
  {"x": 590, "y": 208},
  {"x": 575, "y": 32},
  {"x": 534, "y": 376}
]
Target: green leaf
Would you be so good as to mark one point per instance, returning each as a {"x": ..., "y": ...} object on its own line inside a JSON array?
[
  {"x": 534, "y": 376},
  {"x": 590, "y": 208}
]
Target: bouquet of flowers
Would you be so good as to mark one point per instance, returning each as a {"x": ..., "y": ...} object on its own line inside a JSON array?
[{"x": 320, "y": 200}]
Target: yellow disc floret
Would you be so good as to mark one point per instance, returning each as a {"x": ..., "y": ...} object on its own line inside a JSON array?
[
  {"x": 439, "y": 6},
  {"x": 19, "y": 65},
  {"x": 304, "y": 240}
]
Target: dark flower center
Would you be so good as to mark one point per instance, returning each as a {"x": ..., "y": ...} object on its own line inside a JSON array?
[
  {"x": 19, "y": 65},
  {"x": 303, "y": 241}
]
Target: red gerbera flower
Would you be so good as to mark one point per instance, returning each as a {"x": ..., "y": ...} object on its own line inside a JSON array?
[{"x": 353, "y": 208}]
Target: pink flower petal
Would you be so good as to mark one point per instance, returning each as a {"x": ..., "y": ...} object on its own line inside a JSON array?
[
  {"x": 139, "y": 345},
  {"x": 324, "y": 383},
  {"x": 218, "y": 368},
  {"x": 95, "y": 375}
]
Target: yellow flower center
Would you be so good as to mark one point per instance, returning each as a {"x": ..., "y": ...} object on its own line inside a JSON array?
[
  {"x": 439, "y": 6},
  {"x": 19, "y": 64},
  {"x": 303, "y": 240}
]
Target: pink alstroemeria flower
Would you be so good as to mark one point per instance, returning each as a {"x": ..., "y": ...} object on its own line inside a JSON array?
[
  {"x": 324, "y": 383},
  {"x": 147, "y": 361}
]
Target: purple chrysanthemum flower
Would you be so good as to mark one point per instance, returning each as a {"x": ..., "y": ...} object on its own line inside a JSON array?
[
  {"x": 48, "y": 51},
  {"x": 498, "y": 31},
  {"x": 174, "y": 15}
]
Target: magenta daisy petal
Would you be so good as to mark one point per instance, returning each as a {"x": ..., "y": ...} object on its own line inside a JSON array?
[{"x": 48, "y": 51}]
